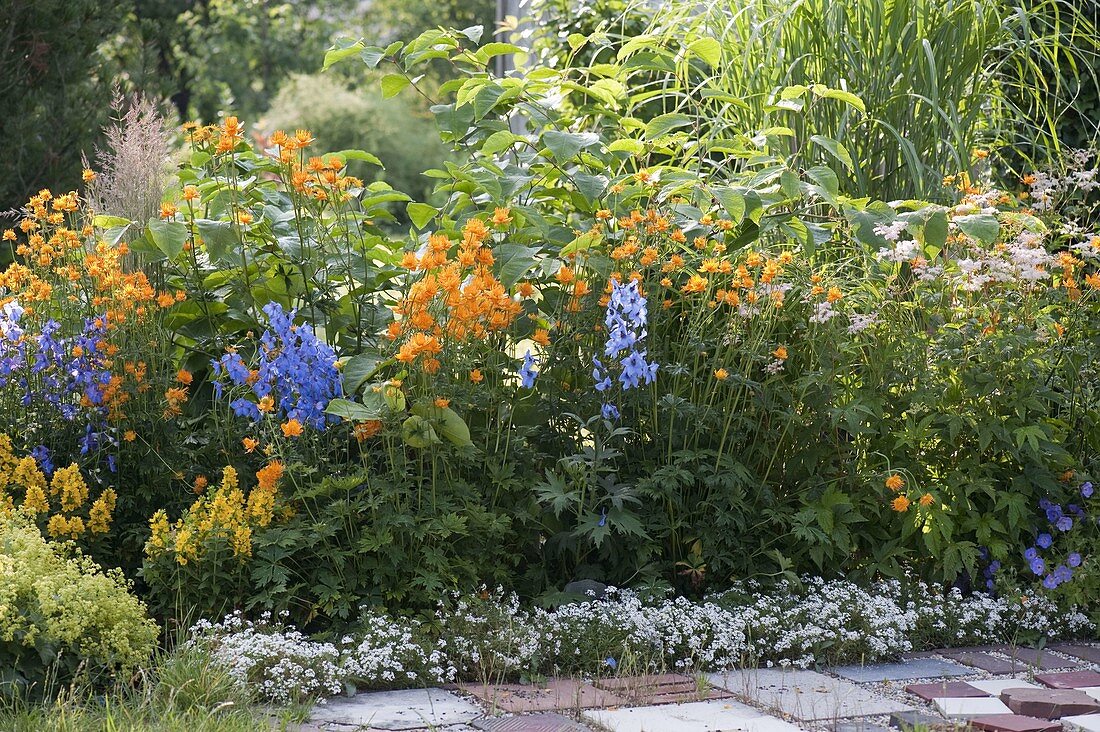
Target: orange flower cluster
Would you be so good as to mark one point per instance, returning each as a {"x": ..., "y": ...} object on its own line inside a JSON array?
[{"x": 452, "y": 300}]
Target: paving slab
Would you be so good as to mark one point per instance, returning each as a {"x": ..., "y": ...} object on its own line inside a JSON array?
[
  {"x": 942, "y": 689},
  {"x": 857, "y": 725},
  {"x": 806, "y": 695},
  {"x": 1093, "y": 691},
  {"x": 909, "y": 720},
  {"x": 1077, "y": 650},
  {"x": 1050, "y": 703},
  {"x": 659, "y": 689},
  {"x": 996, "y": 686},
  {"x": 980, "y": 659},
  {"x": 970, "y": 707},
  {"x": 1014, "y": 723},
  {"x": 397, "y": 710},
  {"x": 530, "y": 723},
  {"x": 1069, "y": 680},
  {"x": 921, "y": 668},
  {"x": 1086, "y": 722},
  {"x": 705, "y": 716},
  {"x": 549, "y": 696},
  {"x": 1039, "y": 658}
]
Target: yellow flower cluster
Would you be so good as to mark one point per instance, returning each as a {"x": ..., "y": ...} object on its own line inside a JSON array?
[
  {"x": 59, "y": 501},
  {"x": 222, "y": 514}
]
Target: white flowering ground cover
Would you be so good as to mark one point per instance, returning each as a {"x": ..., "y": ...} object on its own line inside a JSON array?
[{"x": 492, "y": 637}]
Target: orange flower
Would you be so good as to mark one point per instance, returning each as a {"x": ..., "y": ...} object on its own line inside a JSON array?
[
  {"x": 695, "y": 283},
  {"x": 250, "y": 444},
  {"x": 368, "y": 429},
  {"x": 834, "y": 294},
  {"x": 501, "y": 217},
  {"x": 269, "y": 475},
  {"x": 184, "y": 376},
  {"x": 926, "y": 500},
  {"x": 526, "y": 289},
  {"x": 542, "y": 337},
  {"x": 129, "y": 436},
  {"x": 900, "y": 504},
  {"x": 780, "y": 353},
  {"x": 190, "y": 193},
  {"x": 721, "y": 374},
  {"x": 292, "y": 428},
  {"x": 168, "y": 210},
  {"x": 476, "y": 376},
  {"x": 88, "y": 175},
  {"x": 201, "y": 481},
  {"x": 895, "y": 482},
  {"x": 442, "y": 403},
  {"x": 267, "y": 404}
]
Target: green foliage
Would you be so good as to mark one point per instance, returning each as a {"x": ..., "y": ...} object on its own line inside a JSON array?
[{"x": 62, "y": 614}]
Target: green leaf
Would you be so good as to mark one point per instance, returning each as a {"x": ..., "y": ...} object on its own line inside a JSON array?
[
  {"x": 581, "y": 243},
  {"x": 168, "y": 236},
  {"x": 665, "y": 123},
  {"x": 341, "y": 50},
  {"x": 843, "y": 96},
  {"x": 634, "y": 147},
  {"x": 498, "y": 142},
  {"x": 418, "y": 432},
  {"x": 392, "y": 84},
  {"x": 486, "y": 98},
  {"x": 347, "y": 155},
  {"x": 420, "y": 213},
  {"x": 497, "y": 48},
  {"x": 446, "y": 422},
  {"x": 102, "y": 221},
  {"x": 349, "y": 410},
  {"x": 217, "y": 236},
  {"x": 983, "y": 227},
  {"x": 935, "y": 230},
  {"x": 836, "y": 149},
  {"x": 590, "y": 186},
  {"x": 513, "y": 261},
  {"x": 708, "y": 49},
  {"x": 372, "y": 56},
  {"x": 826, "y": 178},
  {"x": 732, "y": 201},
  {"x": 564, "y": 145},
  {"x": 357, "y": 370}
]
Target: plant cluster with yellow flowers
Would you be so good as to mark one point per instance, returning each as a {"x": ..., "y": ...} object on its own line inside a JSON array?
[{"x": 59, "y": 504}]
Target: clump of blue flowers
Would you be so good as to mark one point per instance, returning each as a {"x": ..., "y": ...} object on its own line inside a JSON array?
[
  {"x": 1061, "y": 520},
  {"x": 67, "y": 374},
  {"x": 295, "y": 368},
  {"x": 527, "y": 371},
  {"x": 626, "y": 321}
]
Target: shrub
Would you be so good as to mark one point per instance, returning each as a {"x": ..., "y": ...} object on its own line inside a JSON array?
[
  {"x": 347, "y": 116},
  {"x": 61, "y": 615}
]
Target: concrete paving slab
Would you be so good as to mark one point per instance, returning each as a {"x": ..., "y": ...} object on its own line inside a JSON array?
[
  {"x": 705, "y": 716},
  {"x": 806, "y": 695},
  {"x": 397, "y": 710},
  {"x": 920, "y": 668}
]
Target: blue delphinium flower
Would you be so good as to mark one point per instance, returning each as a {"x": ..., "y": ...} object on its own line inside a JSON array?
[
  {"x": 1044, "y": 541},
  {"x": 1050, "y": 582},
  {"x": 296, "y": 368},
  {"x": 1054, "y": 513},
  {"x": 527, "y": 372},
  {"x": 626, "y": 320},
  {"x": 1038, "y": 566},
  {"x": 611, "y": 663},
  {"x": 41, "y": 455},
  {"x": 1074, "y": 560},
  {"x": 1086, "y": 490},
  {"x": 1031, "y": 554},
  {"x": 1065, "y": 523}
]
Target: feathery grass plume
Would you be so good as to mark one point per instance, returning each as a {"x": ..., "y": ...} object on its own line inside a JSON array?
[{"x": 132, "y": 168}]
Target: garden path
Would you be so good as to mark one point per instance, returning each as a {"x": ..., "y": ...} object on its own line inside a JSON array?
[{"x": 989, "y": 689}]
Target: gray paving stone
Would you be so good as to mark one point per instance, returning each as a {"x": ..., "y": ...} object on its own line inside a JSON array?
[
  {"x": 397, "y": 710},
  {"x": 921, "y": 668},
  {"x": 909, "y": 720},
  {"x": 970, "y": 707},
  {"x": 996, "y": 686},
  {"x": 1041, "y": 659},
  {"x": 1086, "y": 722},
  {"x": 857, "y": 725},
  {"x": 806, "y": 695},
  {"x": 530, "y": 723},
  {"x": 706, "y": 716}
]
